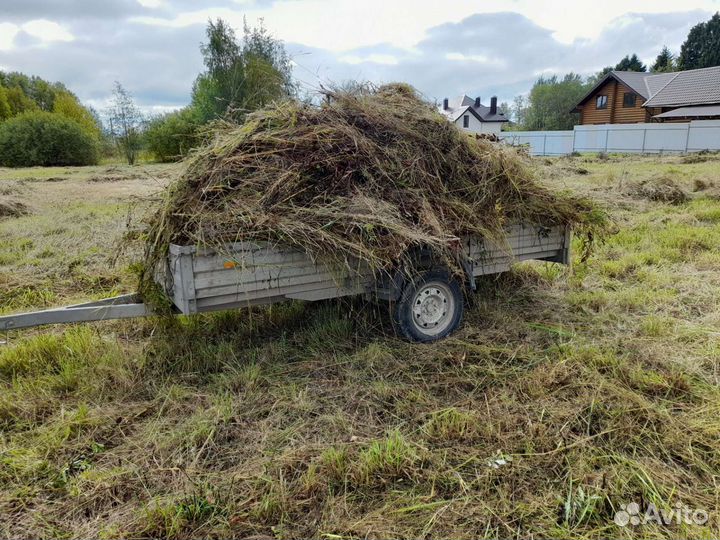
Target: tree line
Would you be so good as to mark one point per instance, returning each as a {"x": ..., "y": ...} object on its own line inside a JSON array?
[
  {"x": 43, "y": 123},
  {"x": 548, "y": 105}
]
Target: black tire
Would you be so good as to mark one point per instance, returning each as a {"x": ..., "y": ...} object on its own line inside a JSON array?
[{"x": 430, "y": 307}]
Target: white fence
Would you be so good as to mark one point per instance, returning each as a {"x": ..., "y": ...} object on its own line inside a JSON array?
[
  {"x": 542, "y": 143},
  {"x": 622, "y": 138}
]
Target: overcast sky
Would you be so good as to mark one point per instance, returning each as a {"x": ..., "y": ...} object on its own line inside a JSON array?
[{"x": 442, "y": 47}]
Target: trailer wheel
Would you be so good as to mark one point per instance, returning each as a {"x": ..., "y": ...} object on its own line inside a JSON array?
[{"x": 430, "y": 307}]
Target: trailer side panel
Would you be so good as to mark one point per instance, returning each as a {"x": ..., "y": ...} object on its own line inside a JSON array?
[{"x": 247, "y": 273}]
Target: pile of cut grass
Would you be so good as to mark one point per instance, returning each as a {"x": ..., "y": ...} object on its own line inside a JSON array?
[
  {"x": 10, "y": 207},
  {"x": 366, "y": 176},
  {"x": 659, "y": 189}
]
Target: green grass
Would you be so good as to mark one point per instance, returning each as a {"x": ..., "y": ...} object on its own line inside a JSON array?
[
  {"x": 69, "y": 246},
  {"x": 565, "y": 394}
]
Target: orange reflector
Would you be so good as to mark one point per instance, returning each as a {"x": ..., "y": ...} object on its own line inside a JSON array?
[{"x": 229, "y": 264}]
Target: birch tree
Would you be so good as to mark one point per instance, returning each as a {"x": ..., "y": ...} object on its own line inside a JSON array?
[{"x": 126, "y": 122}]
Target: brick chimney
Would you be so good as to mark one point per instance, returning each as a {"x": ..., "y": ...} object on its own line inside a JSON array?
[
  {"x": 493, "y": 105},
  {"x": 445, "y": 104},
  {"x": 477, "y": 102}
]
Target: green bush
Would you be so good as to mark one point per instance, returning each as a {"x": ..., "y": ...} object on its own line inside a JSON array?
[
  {"x": 42, "y": 138},
  {"x": 68, "y": 105},
  {"x": 170, "y": 136},
  {"x": 5, "y": 110}
]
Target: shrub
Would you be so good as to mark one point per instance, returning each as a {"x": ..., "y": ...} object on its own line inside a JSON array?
[
  {"x": 67, "y": 105},
  {"x": 42, "y": 138},
  {"x": 4, "y": 105},
  {"x": 170, "y": 136},
  {"x": 18, "y": 101}
]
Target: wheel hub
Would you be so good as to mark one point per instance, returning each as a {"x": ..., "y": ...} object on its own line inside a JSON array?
[{"x": 431, "y": 307}]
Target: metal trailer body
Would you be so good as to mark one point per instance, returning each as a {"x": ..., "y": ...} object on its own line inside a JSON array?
[{"x": 246, "y": 274}]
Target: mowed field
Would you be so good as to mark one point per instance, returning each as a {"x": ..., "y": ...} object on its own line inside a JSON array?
[{"x": 566, "y": 393}]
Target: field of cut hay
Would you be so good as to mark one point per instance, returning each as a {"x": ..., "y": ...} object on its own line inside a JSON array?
[{"x": 565, "y": 396}]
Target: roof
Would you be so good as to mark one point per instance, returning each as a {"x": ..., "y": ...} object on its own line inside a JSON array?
[
  {"x": 462, "y": 104},
  {"x": 657, "y": 81},
  {"x": 691, "y": 112},
  {"x": 692, "y": 87},
  {"x": 636, "y": 80},
  {"x": 633, "y": 79}
]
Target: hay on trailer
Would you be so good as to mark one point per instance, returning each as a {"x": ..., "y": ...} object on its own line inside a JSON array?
[{"x": 368, "y": 175}]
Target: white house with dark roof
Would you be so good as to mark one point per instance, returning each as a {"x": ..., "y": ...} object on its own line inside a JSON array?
[{"x": 471, "y": 115}]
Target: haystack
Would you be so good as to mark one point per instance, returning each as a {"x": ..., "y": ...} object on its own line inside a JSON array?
[
  {"x": 368, "y": 175},
  {"x": 660, "y": 189},
  {"x": 10, "y": 207}
]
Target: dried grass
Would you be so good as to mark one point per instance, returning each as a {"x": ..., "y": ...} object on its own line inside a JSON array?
[
  {"x": 660, "y": 189},
  {"x": 700, "y": 157},
  {"x": 560, "y": 399},
  {"x": 368, "y": 175},
  {"x": 10, "y": 207}
]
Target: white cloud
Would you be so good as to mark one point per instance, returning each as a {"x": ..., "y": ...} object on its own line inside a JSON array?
[
  {"x": 575, "y": 20},
  {"x": 152, "y": 4},
  {"x": 336, "y": 25},
  {"x": 478, "y": 58},
  {"x": 47, "y": 30},
  {"x": 549, "y": 71},
  {"x": 102, "y": 105},
  {"x": 342, "y": 25},
  {"x": 8, "y": 31},
  {"x": 384, "y": 59},
  {"x": 188, "y": 18}
]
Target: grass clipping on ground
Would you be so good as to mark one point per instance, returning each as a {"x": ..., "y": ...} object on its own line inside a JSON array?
[
  {"x": 660, "y": 189},
  {"x": 10, "y": 208},
  {"x": 368, "y": 175}
]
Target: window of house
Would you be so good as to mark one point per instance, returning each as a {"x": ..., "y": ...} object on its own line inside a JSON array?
[
  {"x": 601, "y": 102},
  {"x": 629, "y": 99},
  {"x": 466, "y": 121}
]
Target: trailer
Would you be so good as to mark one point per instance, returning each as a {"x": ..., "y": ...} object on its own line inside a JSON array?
[{"x": 427, "y": 303}]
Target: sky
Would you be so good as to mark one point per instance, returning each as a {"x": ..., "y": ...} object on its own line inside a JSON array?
[{"x": 442, "y": 47}]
